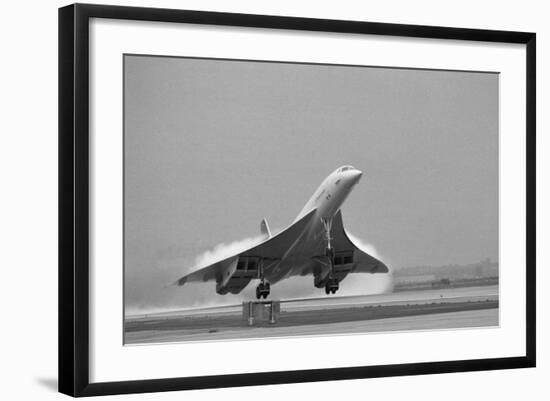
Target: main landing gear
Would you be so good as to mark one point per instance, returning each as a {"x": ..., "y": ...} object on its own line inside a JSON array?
[
  {"x": 262, "y": 290},
  {"x": 331, "y": 285}
]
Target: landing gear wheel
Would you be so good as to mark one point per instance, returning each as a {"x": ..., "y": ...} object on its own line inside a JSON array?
[
  {"x": 331, "y": 286},
  {"x": 262, "y": 290}
]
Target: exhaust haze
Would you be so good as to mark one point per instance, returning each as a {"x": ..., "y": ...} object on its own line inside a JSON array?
[{"x": 163, "y": 296}]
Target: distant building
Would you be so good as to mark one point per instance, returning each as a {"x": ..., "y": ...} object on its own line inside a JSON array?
[
  {"x": 414, "y": 279},
  {"x": 482, "y": 269}
]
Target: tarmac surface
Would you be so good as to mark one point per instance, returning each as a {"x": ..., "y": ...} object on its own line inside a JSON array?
[{"x": 430, "y": 309}]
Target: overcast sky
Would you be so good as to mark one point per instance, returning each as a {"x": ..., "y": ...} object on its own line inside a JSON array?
[{"x": 213, "y": 146}]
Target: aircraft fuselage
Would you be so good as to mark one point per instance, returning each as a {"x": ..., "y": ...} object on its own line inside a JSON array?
[
  {"x": 326, "y": 201},
  {"x": 332, "y": 193}
]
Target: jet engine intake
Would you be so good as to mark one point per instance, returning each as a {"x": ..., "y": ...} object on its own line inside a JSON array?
[{"x": 236, "y": 274}]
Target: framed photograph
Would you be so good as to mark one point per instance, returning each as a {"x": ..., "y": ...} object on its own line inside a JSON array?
[{"x": 252, "y": 199}]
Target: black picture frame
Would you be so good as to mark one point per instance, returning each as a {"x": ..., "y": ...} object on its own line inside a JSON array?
[{"x": 74, "y": 194}]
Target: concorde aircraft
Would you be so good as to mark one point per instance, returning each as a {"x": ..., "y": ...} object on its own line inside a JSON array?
[{"x": 314, "y": 244}]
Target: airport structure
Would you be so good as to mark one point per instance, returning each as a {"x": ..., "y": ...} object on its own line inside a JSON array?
[
  {"x": 258, "y": 312},
  {"x": 426, "y": 309}
]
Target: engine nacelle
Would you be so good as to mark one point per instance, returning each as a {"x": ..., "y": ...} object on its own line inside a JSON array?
[
  {"x": 321, "y": 275},
  {"x": 237, "y": 273},
  {"x": 343, "y": 263}
]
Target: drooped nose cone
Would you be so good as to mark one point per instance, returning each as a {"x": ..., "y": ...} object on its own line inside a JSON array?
[
  {"x": 352, "y": 177},
  {"x": 349, "y": 174},
  {"x": 357, "y": 174}
]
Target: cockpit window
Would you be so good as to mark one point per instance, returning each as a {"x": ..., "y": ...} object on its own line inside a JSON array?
[{"x": 345, "y": 168}]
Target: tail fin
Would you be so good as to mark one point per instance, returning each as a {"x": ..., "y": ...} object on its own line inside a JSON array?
[{"x": 264, "y": 228}]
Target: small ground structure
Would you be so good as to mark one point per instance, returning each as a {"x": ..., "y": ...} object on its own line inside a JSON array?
[{"x": 261, "y": 312}]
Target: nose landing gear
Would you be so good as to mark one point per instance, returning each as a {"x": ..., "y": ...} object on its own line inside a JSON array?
[{"x": 331, "y": 285}]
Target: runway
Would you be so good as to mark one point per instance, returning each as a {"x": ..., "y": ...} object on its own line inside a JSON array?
[{"x": 405, "y": 310}]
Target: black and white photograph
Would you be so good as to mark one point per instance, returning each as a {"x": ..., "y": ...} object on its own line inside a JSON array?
[
  {"x": 274, "y": 201},
  {"x": 277, "y": 199}
]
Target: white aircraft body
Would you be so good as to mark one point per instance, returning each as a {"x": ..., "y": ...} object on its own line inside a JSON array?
[{"x": 314, "y": 244}]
